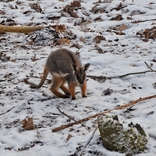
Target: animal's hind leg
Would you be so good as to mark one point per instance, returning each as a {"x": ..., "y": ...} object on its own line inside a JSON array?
[
  {"x": 57, "y": 82},
  {"x": 65, "y": 89}
]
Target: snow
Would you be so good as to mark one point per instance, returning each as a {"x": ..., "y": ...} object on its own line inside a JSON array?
[{"x": 128, "y": 54}]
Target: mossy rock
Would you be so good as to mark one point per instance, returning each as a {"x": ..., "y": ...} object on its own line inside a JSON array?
[{"x": 131, "y": 140}]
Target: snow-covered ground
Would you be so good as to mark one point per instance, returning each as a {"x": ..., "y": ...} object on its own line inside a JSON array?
[{"x": 121, "y": 52}]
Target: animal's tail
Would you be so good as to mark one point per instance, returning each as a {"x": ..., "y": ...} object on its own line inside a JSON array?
[{"x": 33, "y": 85}]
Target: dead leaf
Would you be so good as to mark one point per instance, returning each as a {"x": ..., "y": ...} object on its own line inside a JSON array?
[
  {"x": 71, "y": 129},
  {"x": 36, "y": 7},
  {"x": 147, "y": 34},
  {"x": 94, "y": 9},
  {"x": 59, "y": 28},
  {"x": 122, "y": 27},
  {"x": 98, "y": 39},
  {"x": 69, "y": 137},
  {"x": 119, "y": 7},
  {"x": 129, "y": 18},
  {"x": 28, "y": 124},
  {"x": 70, "y": 11},
  {"x": 98, "y": 18},
  {"x": 62, "y": 41},
  {"x": 75, "y": 4},
  {"x": 152, "y": 33},
  {"x": 2, "y": 12},
  {"x": 76, "y": 45},
  {"x": 30, "y": 42},
  {"x": 117, "y": 18},
  {"x": 119, "y": 33},
  {"x": 153, "y": 23},
  {"x": 82, "y": 39},
  {"x": 4, "y": 57}
]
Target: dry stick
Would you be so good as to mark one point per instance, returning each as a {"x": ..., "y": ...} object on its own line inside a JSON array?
[
  {"x": 78, "y": 122},
  {"x": 139, "y": 21},
  {"x": 89, "y": 140},
  {"x": 70, "y": 117},
  {"x": 7, "y": 111},
  {"x": 121, "y": 76},
  {"x": 108, "y": 111},
  {"x": 143, "y": 72},
  {"x": 149, "y": 67}
]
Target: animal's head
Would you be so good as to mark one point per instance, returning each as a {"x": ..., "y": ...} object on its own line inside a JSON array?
[{"x": 80, "y": 72}]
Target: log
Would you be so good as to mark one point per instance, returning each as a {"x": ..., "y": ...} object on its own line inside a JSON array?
[{"x": 19, "y": 29}]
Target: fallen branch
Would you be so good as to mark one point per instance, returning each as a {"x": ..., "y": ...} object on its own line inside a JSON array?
[
  {"x": 143, "y": 72},
  {"x": 103, "y": 78},
  {"x": 149, "y": 67},
  {"x": 70, "y": 117},
  {"x": 20, "y": 29},
  {"x": 7, "y": 111},
  {"x": 108, "y": 111},
  {"x": 139, "y": 21},
  {"x": 88, "y": 141}
]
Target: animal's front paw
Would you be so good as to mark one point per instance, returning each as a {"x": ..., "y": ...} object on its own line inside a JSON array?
[
  {"x": 73, "y": 98},
  {"x": 66, "y": 96}
]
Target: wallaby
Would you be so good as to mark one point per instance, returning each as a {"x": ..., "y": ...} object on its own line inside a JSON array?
[{"x": 64, "y": 66}]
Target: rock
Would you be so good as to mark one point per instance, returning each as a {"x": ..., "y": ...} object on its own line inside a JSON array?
[{"x": 131, "y": 140}]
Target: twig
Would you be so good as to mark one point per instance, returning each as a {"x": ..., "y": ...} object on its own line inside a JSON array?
[
  {"x": 70, "y": 117},
  {"x": 48, "y": 116},
  {"x": 149, "y": 67},
  {"x": 89, "y": 141},
  {"x": 143, "y": 72},
  {"x": 7, "y": 111},
  {"x": 108, "y": 111},
  {"x": 103, "y": 78},
  {"x": 139, "y": 21},
  {"x": 51, "y": 117}
]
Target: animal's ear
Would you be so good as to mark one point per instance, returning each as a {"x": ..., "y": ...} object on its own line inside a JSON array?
[{"x": 86, "y": 66}]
